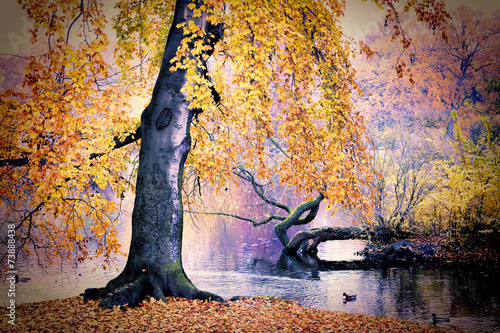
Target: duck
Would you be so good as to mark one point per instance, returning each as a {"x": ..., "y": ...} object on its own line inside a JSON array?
[
  {"x": 18, "y": 279},
  {"x": 348, "y": 297},
  {"x": 436, "y": 320}
]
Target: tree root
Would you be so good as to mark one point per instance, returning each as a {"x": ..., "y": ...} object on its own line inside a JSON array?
[{"x": 130, "y": 291}]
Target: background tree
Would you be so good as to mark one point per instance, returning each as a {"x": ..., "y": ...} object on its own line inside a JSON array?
[
  {"x": 445, "y": 110},
  {"x": 403, "y": 179},
  {"x": 464, "y": 204},
  {"x": 452, "y": 76},
  {"x": 273, "y": 55}
]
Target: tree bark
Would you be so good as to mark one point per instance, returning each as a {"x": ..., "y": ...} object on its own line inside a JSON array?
[
  {"x": 294, "y": 218},
  {"x": 154, "y": 265},
  {"x": 307, "y": 241}
]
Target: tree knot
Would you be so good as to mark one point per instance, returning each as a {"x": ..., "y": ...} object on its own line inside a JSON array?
[{"x": 164, "y": 119}]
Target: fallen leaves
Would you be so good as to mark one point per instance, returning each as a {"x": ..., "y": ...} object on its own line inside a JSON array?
[{"x": 181, "y": 315}]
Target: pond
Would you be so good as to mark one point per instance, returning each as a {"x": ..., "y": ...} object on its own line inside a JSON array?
[{"x": 230, "y": 262}]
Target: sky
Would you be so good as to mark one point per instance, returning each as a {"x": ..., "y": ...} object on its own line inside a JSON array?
[{"x": 361, "y": 18}]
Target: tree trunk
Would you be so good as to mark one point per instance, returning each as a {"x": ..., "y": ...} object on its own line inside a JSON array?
[
  {"x": 294, "y": 218},
  {"x": 307, "y": 241},
  {"x": 154, "y": 265}
]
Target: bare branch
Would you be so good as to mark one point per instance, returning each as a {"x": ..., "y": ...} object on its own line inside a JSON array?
[
  {"x": 279, "y": 147},
  {"x": 255, "y": 223},
  {"x": 247, "y": 175}
]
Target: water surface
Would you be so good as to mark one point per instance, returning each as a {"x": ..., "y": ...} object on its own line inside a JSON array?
[{"x": 230, "y": 263}]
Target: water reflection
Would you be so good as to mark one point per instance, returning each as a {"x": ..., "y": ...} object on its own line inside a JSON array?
[
  {"x": 236, "y": 262},
  {"x": 409, "y": 293}
]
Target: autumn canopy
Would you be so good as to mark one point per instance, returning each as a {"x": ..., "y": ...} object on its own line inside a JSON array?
[{"x": 262, "y": 87}]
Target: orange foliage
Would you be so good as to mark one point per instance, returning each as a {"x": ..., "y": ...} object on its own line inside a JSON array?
[
  {"x": 285, "y": 102},
  {"x": 64, "y": 120},
  {"x": 285, "y": 80}
]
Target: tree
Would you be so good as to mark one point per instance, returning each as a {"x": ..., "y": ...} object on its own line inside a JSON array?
[
  {"x": 453, "y": 84},
  {"x": 271, "y": 58},
  {"x": 403, "y": 178},
  {"x": 452, "y": 76},
  {"x": 464, "y": 205},
  {"x": 305, "y": 212}
]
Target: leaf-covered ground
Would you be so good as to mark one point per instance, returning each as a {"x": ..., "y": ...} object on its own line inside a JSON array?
[{"x": 181, "y": 315}]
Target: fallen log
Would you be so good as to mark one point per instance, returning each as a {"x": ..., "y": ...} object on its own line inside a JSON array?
[{"x": 307, "y": 241}]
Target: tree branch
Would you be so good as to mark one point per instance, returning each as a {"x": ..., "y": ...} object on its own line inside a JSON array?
[
  {"x": 22, "y": 161},
  {"x": 246, "y": 175},
  {"x": 294, "y": 219},
  {"x": 16, "y": 162},
  {"x": 312, "y": 212},
  {"x": 279, "y": 147},
  {"x": 255, "y": 224}
]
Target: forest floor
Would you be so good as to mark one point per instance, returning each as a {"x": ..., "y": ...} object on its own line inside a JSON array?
[{"x": 181, "y": 315}]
